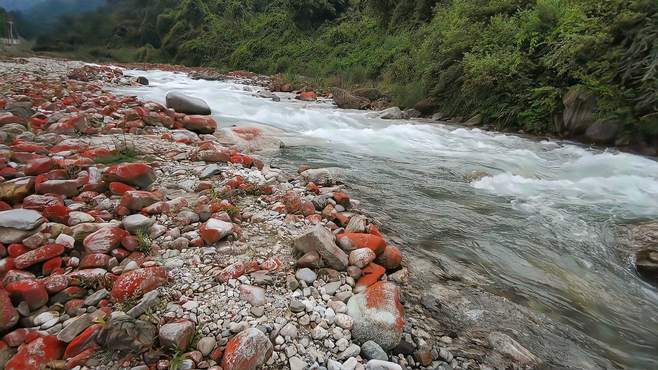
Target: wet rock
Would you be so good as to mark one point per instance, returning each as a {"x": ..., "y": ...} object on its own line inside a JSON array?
[
  {"x": 247, "y": 351},
  {"x": 182, "y": 103},
  {"x": 378, "y": 315},
  {"x": 323, "y": 176},
  {"x": 17, "y": 224},
  {"x": 475, "y": 176},
  {"x": 345, "y": 100},
  {"x": 125, "y": 334},
  {"x": 508, "y": 347},
  {"x": 321, "y": 240},
  {"x": 602, "y": 132},
  {"x": 176, "y": 335},
  {"x": 138, "y": 282},
  {"x": 392, "y": 113},
  {"x": 142, "y": 80},
  {"x": 646, "y": 263}
]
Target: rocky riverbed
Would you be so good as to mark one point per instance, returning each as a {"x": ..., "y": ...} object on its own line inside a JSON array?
[{"x": 135, "y": 236}]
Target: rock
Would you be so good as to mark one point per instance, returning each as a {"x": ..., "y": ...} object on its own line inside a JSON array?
[
  {"x": 17, "y": 224},
  {"x": 136, "y": 200},
  {"x": 352, "y": 241},
  {"x": 411, "y": 113},
  {"x": 138, "y": 282},
  {"x": 253, "y": 294},
  {"x": 382, "y": 365},
  {"x": 8, "y": 314},
  {"x": 215, "y": 230},
  {"x": 200, "y": 124},
  {"x": 142, "y": 80},
  {"x": 74, "y": 328},
  {"x": 307, "y": 275},
  {"x": 391, "y": 258},
  {"x": 392, "y": 113},
  {"x": 176, "y": 335},
  {"x": 646, "y": 264},
  {"x": 475, "y": 176},
  {"x": 602, "y": 132},
  {"x": 378, "y": 315},
  {"x": 104, "y": 240},
  {"x": 14, "y": 191},
  {"x": 507, "y": 346},
  {"x": 427, "y": 106},
  {"x": 96, "y": 297},
  {"x": 321, "y": 240},
  {"x": 361, "y": 257},
  {"x": 182, "y": 103},
  {"x": 206, "y": 345},
  {"x": 328, "y": 176},
  {"x": 40, "y": 254},
  {"x": 148, "y": 300},
  {"x": 135, "y": 174},
  {"x": 357, "y": 224},
  {"x": 369, "y": 93},
  {"x": 125, "y": 334},
  {"x": 476, "y": 120},
  {"x": 579, "y": 107},
  {"x": 247, "y": 351},
  {"x": 134, "y": 223},
  {"x": 373, "y": 351},
  {"x": 37, "y": 354},
  {"x": 297, "y": 363},
  {"x": 310, "y": 260},
  {"x": 345, "y": 100},
  {"x": 30, "y": 291}
]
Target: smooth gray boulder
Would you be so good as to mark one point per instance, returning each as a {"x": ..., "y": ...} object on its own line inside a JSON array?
[{"x": 182, "y": 103}]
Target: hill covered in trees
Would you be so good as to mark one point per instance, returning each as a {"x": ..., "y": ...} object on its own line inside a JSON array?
[{"x": 514, "y": 63}]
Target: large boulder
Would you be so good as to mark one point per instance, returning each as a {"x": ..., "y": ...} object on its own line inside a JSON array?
[
  {"x": 378, "y": 315},
  {"x": 602, "y": 132},
  {"x": 247, "y": 351},
  {"x": 579, "y": 107},
  {"x": 182, "y": 103},
  {"x": 427, "y": 106},
  {"x": 17, "y": 224},
  {"x": 345, "y": 100},
  {"x": 321, "y": 240}
]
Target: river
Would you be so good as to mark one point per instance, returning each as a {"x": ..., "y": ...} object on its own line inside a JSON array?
[{"x": 540, "y": 230}]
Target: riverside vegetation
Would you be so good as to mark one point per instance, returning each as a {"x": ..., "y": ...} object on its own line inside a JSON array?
[{"x": 556, "y": 67}]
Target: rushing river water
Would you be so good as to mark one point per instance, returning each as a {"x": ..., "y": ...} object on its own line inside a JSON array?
[{"x": 540, "y": 229}]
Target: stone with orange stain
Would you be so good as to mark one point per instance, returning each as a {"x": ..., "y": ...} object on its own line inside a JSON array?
[
  {"x": 200, "y": 124},
  {"x": 135, "y": 283},
  {"x": 391, "y": 258},
  {"x": 36, "y": 354},
  {"x": 135, "y": 174},
  {"x": 352, "y": 241},
  {"x": 247, "y": 133},
  {"x": 378, "y": 315},
  {"x": 369, "y": 276},
  {"x": 247, "y": 351}
]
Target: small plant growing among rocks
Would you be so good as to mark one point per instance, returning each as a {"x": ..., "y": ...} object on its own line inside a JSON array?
[{"x": 144, "y": 242}]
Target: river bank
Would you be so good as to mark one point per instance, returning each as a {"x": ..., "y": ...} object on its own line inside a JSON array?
[{"x": 201, "y": 257}]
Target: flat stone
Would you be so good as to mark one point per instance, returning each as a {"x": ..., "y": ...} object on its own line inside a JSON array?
[
  {"x": 373, "y": 351},
  {"x": 307, "y": 275},
  {"x": 176, "y": 335},
  {"x": 382, "y": 365},
  {"x": 321, "y": 240},
  {"x": 73, "y": 329},
  {"x": 148, "y": 300},
  {"x": 134, "y": 223}
]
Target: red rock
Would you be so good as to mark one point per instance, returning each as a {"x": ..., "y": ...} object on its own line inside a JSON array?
[
  {"x": 71, "y": 307},
  {"x": 40, "y": 254},
  {"x": 38, "y": 166},
  {"x": 6, "y": 117},
  {"x": 52, "y": 265},
  {"x": 16, "y": 275},
  {"x": 16, "y": 250},
  {"x": 8, "y": 314},
  {"x": 215, "y": 230},
  {"x": 57, "y": 213},
  {"x": 200, "y": 124},
  {"x": 94, "y": 260},
  {"x": 342, "y": 198},
  {"x": 370, "y": 275},
  {"x": 135, "y": 174},
  {"x": 247, "y": 351},
  {"x": 378, "y": 315},
  {"x": 81, "y": 358},
  {"x": 40, "y": 202},
  {"x": 313, "y": 188},
  {"x": 137, "y": 282},
  {"x": 351, "y": 241},
  {"x": 136, "y": 200},
  {"x": 37, "y": 354},
  {"x": 4, "y": 206},
  {"x": 67, "y": 294},
  {"x": 104, "y": 240},
  {"x": 245, "y": 160},
  {"x": 56, "y": 283},
  {"x": 271, "y": 264},
  {"x": 32, "y": 292},
  {"x": 372, "y": 229},
  {"x": 307, "y": 208},
  {"x": 391, "y": 258},
  {"x": 307, "y": 96},
  {"x": 292, "y": 201},
  {"x": 232, "y": 271},
  {"x": 119, "y": 188}
]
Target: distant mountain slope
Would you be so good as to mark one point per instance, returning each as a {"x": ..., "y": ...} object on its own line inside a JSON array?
[
  {"x": 38, "y": 17},
  {"x": 19, "y": 5}
]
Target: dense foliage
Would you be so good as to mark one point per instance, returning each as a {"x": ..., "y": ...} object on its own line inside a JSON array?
[{"x": 511, "y": 61}]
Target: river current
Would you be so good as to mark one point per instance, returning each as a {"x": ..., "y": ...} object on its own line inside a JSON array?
[{"x": 541, "y": 229}]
